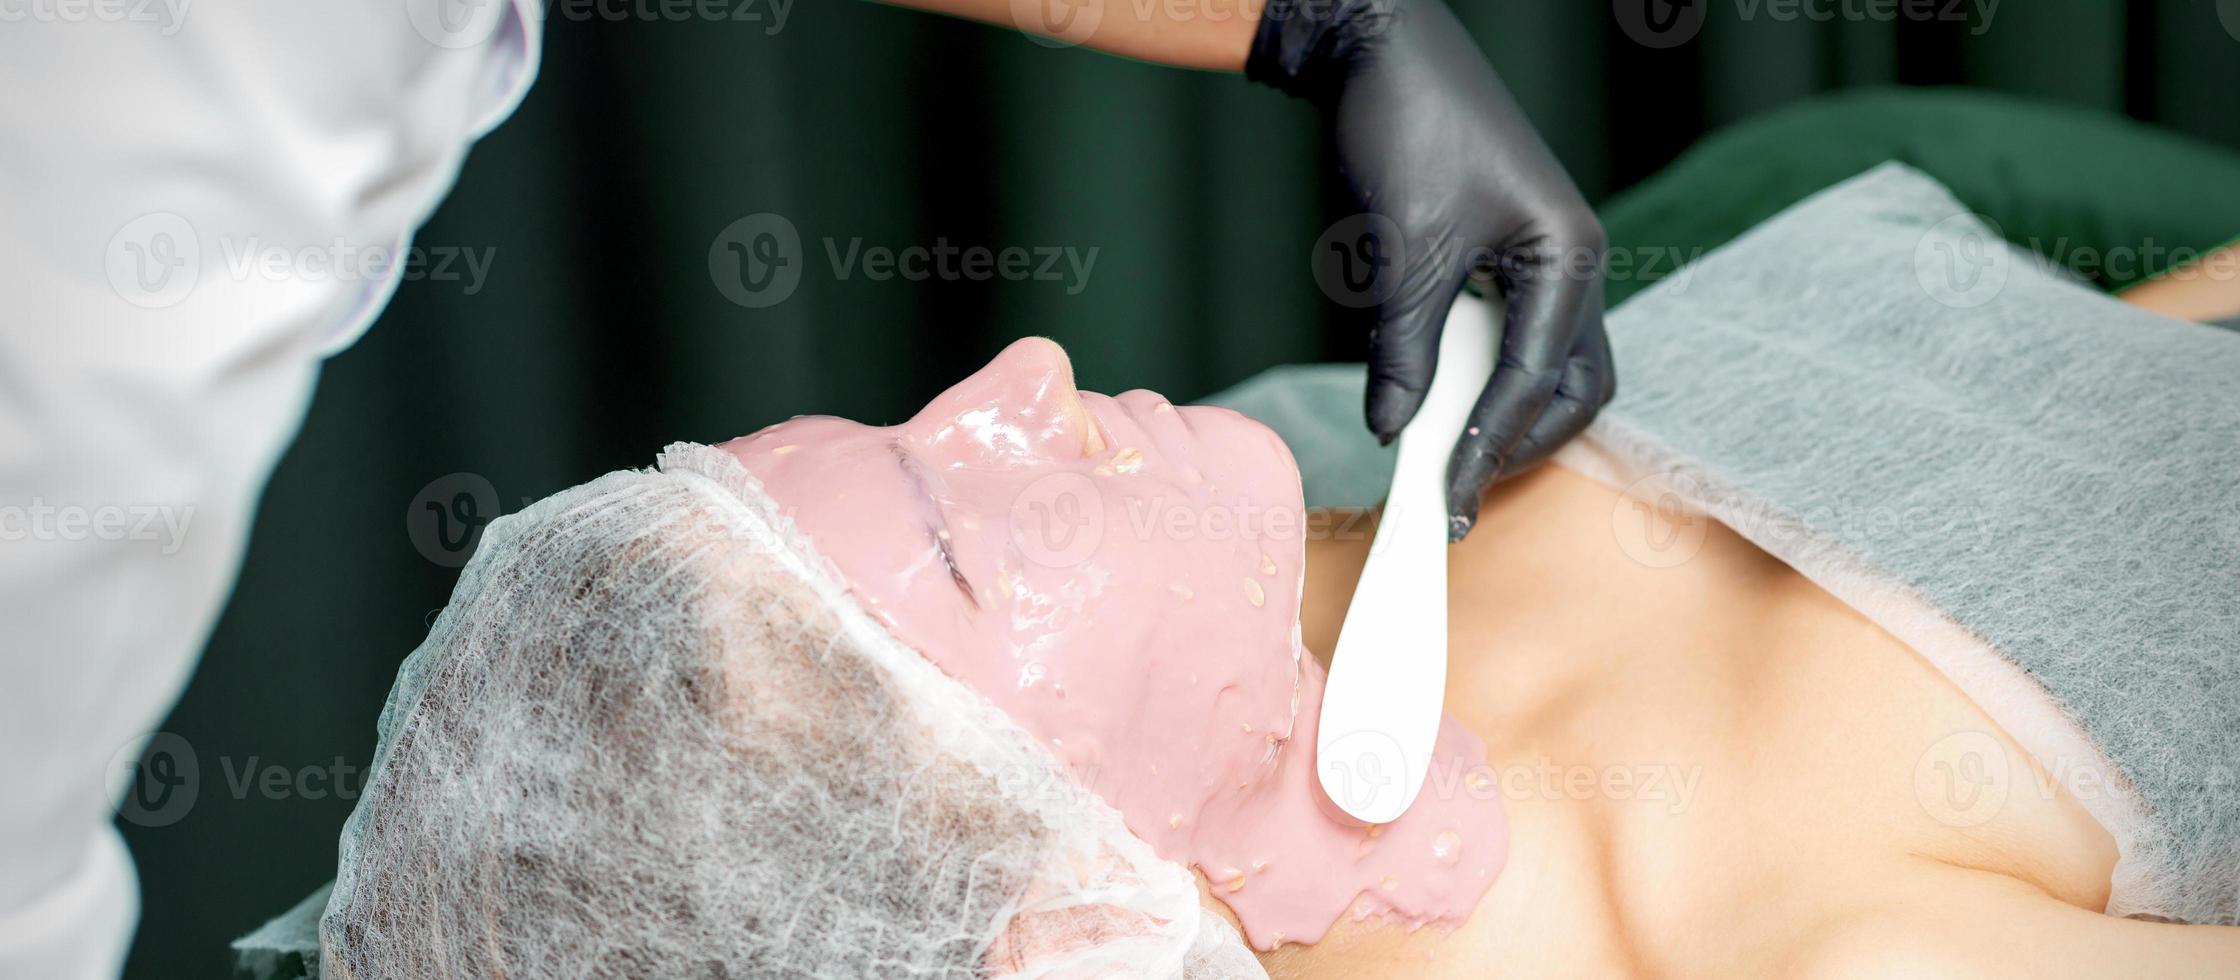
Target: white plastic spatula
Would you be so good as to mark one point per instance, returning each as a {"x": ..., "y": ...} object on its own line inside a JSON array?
[{"x": 1388, "y": 676}]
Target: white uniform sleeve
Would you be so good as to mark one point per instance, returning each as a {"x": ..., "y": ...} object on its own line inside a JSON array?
[{"x": 197, "y": 201}]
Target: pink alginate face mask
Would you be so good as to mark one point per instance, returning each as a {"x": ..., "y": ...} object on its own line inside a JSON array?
[{"x": 1122, "y": 577}]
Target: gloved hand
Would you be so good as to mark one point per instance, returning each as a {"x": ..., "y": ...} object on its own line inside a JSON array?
[{"x": 1440, "y": 157}]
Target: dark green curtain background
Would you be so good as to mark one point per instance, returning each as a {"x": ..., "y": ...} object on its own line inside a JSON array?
[{"x": 599, "y": 334}]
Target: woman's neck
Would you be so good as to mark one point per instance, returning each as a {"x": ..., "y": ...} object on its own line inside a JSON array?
[{"x": 1523, "y": 565}]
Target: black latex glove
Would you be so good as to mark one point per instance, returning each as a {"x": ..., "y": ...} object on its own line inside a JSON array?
[{"x": 1439, "y": 156}]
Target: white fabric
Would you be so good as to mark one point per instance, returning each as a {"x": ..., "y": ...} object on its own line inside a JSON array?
[
  {"x": 149, "y": 380},
  {"x": 652, "y": 735}
]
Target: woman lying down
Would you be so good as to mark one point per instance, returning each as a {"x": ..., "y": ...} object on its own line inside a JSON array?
[{"x": 1915, "y": 660}]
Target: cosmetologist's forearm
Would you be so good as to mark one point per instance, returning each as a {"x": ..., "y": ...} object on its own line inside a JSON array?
[{"x": 1208, "y": 34}]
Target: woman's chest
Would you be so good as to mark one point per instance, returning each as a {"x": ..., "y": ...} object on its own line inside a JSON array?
[{"x": 1703, "y": 760}]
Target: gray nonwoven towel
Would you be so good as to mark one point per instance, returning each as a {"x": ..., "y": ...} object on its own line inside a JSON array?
[{"x": 2032, "y": 484}]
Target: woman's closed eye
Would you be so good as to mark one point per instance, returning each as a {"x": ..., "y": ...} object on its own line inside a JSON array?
[{"x": 935, "y": 521}]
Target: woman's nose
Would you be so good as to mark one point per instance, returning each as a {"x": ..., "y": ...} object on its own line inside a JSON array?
[
  {"x": 1028, "y": 388},
  {"x": 1042, "y": 359}
]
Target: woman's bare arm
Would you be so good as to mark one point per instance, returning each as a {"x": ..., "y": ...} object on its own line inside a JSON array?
[
  {"x": 1980, "y": 924},
  {"x": 1209, "y": 34},
  {"x": 2204, "y": 290}
]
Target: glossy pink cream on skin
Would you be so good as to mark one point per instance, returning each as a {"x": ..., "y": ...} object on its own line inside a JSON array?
[{"x": 1122, "y": 577}]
